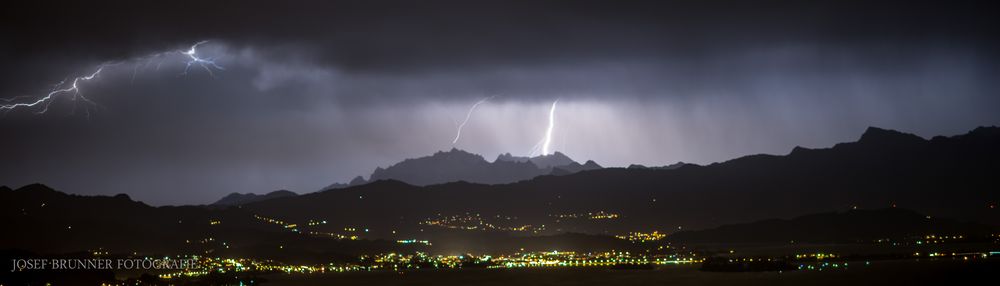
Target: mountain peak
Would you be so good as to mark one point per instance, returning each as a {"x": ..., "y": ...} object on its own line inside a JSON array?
[
  {"x": 592, "y": 165},
  {"x": 507, "y": 157},
  {"x": 239, "y": 199},
  {"x": 799, "y": 150},
  {"x": 985, "y": 131},
  {"x": 454, "y": 151},
  {"x": 36, "y": 187},
  {"x": 450, "y": 155},
  {"x": 459, "y": 165},
  {"x": 357, "y": 181},
  {"x": 886, "y": 136},
  {"x": 552, "y": 160},
  {"x": 575, "y": 167},
  {"x": 664, "y": 167}
]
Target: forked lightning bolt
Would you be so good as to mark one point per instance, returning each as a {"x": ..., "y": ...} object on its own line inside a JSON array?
[
  {"x": 71, "y": 88},
  {"x": 206, "y": 63}
]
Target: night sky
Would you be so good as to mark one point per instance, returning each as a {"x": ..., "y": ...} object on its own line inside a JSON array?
[{"x": 317, "y": 92}]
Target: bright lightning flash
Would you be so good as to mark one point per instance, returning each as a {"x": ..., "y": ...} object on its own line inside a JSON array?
[
  {"x": 467, "y": 116},
  {"x": 552, "y": 125},
  {"x": 206, "y": 63},
  {"x": 72, "y": 90}
]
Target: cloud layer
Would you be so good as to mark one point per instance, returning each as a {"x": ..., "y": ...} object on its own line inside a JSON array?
[{"x": 318, "y": 92}]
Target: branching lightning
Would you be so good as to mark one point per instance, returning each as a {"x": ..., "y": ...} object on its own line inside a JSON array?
[
  {"x": 71, "y": 88},
  {"x": 467, "y": 116},
  {"x": 206, "y": 63}
]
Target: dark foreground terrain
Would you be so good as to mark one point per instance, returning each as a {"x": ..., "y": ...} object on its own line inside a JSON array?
[{"x": 899, "y": 272}]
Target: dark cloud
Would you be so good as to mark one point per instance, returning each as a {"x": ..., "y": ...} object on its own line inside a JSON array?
[
  {"x": 383, "y": 36},
  {"x": 321, "y": 91}
]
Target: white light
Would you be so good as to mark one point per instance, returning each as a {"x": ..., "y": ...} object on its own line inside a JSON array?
[
  {"x": 552, "y": 125},
  {"x": 467, "y": 116},
  {"x": 71, "y": 88}
]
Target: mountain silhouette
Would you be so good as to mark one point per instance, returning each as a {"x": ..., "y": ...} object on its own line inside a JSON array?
[
  {"x": 886, "y": 137},
  {"x": 239, "y": 199},
  {"x": 49, "y": 221},
  {"x": 556, "y": 159},
  {"x": 457, "y": 165},
  {"x": 575, "y": 167},
  {"x": 666, "y": 167},
  {"x": 358, "y": 180},
  {"x": 942, "y": 177}
]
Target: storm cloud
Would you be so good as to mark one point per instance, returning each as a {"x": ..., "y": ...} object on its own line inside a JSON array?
[{"x": 316, "y": 92}]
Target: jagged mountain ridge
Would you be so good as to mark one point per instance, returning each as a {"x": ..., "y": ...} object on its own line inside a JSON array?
[
  {"x": 457, "y": 165},
  {"x": 556, "y": 159},
  {"x": 234, "y": 199},
  {"x": 665, "y": 167},
  {"x": 943, "y": 176},
  {"x": 51, "y": 221}
]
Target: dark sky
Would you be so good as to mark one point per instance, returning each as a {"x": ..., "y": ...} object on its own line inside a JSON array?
[{"x": 316, "y": 92}]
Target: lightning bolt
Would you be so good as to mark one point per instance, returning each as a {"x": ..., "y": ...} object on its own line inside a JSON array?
[
  {"x": 467, "y": 116},
  {"x": 206, "y": 63},
  {"x": 71, "y": 88},
  {"x": 535, "y": 149},
  {"x": 552, "y": 125}
]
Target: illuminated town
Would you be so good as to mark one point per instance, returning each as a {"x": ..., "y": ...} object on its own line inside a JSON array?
[
  {"x": 477, "y": 222},
  {"x": 394, "y": 262},
  {"x": 642, "y": 236},
  {"x": 420, "y": 260},
  {"x": 652, "y": 250},
  {"x": 589, "y": 215}
]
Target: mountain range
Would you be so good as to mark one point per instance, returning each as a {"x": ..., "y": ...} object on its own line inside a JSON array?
[
  {"x": 942, "y": 177},
  {"x": 460, "y": 166}
]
